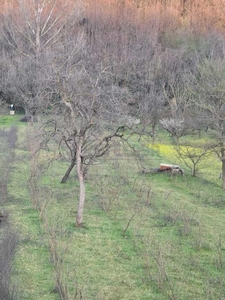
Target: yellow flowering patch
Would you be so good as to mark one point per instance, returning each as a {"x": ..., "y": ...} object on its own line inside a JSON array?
[
  {"x": 164, "y": 150},
  {"x": 209, "y": 165}
]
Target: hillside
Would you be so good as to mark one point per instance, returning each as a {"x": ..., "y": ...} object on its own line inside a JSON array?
[
  {"x": 111, "y": 89},
  {"x": 147, "y": 236},
  {"x": 203, "y": 14}
]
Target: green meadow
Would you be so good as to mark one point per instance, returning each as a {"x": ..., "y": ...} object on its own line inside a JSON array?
[{"x": 148, "y": 236}]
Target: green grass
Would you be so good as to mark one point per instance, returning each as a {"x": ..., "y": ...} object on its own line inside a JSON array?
[
  {"x": 33, "y": 272},
  {"x": 147, "y": 236},
  {"x": 6, "y": 121}
]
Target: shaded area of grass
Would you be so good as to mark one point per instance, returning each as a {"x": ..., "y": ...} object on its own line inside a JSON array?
[
  {"x": 33, "y": 272},
  {"x": 8, "y": 232}
]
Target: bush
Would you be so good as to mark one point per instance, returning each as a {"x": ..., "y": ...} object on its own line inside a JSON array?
[{"x": 8, "y": 243}]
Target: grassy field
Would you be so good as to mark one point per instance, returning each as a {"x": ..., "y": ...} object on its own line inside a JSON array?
[{"x": 149, "y": 236}]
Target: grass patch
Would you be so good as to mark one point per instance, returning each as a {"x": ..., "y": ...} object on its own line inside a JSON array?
[
  {"x": 151, "y": 236},
  {"x": 7, "y": 121}
]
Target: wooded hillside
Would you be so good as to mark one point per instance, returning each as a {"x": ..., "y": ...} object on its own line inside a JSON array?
[
  {"x": 195, "y": 13},
  {"x": 112, "y": 89}
]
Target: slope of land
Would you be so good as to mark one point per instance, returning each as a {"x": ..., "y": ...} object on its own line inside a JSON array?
[{"x": 149, "y": 236}]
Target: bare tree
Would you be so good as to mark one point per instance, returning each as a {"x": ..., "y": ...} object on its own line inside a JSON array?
[
  {"x": 193, "y": 155},
  {"x": 38, "y": 25},
  {"x": 90, "y": 113},
  {"x": 210, "y": 93},
  {"x": 31, "y": 31},
  {"x": 29, "y": 84}
]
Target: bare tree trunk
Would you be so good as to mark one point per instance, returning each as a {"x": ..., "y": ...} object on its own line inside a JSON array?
[
  {"x": 65, "y": 177},
  {"x": 223, "y": 173},
  {"x": 193, "y": 172},
  {"x": 184, "y": 8},
  {"x": 80, "y": 174}
]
